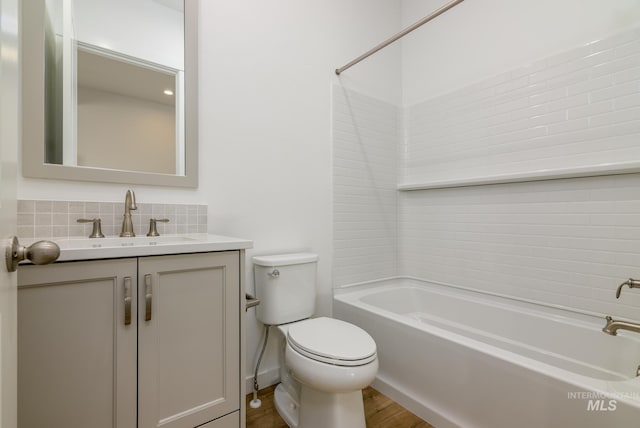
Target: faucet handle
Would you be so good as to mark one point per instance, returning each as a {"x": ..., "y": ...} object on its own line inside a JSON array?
[
  {"x": 632, "y": 283},
  {"x": 97, "y": 226},
  {"x": 153, "y": 230}
]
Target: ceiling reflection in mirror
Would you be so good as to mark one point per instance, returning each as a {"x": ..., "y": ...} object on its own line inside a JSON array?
[{"x": 114, "y": 85}]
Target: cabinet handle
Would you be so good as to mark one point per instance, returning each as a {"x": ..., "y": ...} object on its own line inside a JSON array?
[
  {"x": 147, "y": 297},
  {"x": 127, "y": 300}
]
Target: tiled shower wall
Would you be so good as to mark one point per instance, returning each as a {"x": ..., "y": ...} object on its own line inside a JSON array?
[
  {"x": 574, "y": 109},
  {"x": 365, "y": 135},
  {"x": 58, "y": 219},
  {"x": 565, "y": 242},
  {"x": 568, "y": 242}
]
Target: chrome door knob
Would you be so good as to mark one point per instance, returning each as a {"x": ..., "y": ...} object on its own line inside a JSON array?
[{"x": 40, "y": 253}]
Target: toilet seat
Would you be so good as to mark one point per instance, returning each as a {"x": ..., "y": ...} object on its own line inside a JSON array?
[{"x": 332, "y": 341}]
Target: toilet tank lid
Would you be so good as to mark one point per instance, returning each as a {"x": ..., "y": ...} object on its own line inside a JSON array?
[{"x": 285, "y": 259}]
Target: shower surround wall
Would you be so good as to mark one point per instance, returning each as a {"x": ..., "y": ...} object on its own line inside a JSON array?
[
  {"x": 561, "y": 242},
  {"x": 564, "y": 242},
  {"x": 365, "y": 135},
  {"x": 574, "y": 109}
]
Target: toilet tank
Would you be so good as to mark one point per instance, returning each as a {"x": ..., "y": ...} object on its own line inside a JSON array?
[{"x": 286, "y": 287}]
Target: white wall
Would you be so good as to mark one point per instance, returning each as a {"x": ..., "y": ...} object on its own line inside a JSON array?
[
  {"x": 265, "y": 109},
  {"x": 479, "y": 39},
  {"x": 69, "y": 190}
]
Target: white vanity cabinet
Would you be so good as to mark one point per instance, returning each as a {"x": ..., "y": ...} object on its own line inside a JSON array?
[{"x": 136, "y": 342}]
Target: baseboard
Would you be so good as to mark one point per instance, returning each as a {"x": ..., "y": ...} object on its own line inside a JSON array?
[{"x": 265, "y": 378}]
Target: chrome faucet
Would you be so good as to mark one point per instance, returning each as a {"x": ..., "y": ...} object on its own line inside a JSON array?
[
  {"x": 613, "y": 326},
  {"x": 129, "y": 204}
]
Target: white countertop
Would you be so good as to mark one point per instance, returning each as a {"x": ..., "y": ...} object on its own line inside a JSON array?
[{"x": 116, "y": 247}]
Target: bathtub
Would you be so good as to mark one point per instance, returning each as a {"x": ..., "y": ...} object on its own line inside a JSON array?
[{"x": 459, "y": 358}]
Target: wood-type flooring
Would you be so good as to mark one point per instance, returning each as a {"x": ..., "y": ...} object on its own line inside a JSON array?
[{"x": 380, "y": 412}]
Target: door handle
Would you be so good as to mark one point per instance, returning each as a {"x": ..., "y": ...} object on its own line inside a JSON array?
[
  {"x": 40, "y": 253},
  {"x": 127, "y": 300},
  {"x": 148, "y": 298}
]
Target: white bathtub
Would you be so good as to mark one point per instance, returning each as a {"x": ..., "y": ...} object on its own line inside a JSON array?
[{"x": 461, "y": 358}]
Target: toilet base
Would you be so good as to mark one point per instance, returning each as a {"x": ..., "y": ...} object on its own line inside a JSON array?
[
  {"x": 286, "y": 405},
  {"x": 318, "y": 409},
  {"x": 337, "y": 410}
]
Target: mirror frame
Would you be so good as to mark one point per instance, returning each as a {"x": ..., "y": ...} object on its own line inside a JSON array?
[{"x": 33, "y": 109}]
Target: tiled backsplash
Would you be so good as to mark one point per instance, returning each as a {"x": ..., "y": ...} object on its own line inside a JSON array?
[{"x": 58, "y": 219}]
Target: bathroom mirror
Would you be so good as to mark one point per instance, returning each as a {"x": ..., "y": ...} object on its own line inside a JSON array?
[{"x": 110, "y": 91}]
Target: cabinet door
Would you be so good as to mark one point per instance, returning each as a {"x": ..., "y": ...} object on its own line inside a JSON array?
[
  {"x": 188, "y": 339},
  {"x": 76, "y": 356}
]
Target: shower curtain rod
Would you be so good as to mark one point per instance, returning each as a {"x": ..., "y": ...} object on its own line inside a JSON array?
[{"x": 401, "y": 34}]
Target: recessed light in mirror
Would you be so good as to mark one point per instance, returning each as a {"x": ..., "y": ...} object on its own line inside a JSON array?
[{"x": 168, "y": 92}]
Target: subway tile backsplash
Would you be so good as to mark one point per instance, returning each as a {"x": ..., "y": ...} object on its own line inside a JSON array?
[{"x": 58, "y": 219}]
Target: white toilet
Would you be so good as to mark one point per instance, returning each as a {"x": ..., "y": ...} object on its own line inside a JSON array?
[{"x": 324, "y": 362}]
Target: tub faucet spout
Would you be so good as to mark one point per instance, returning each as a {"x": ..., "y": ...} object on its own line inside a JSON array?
[
  {"x": 632, "y": 283},
  {"x": 613, "y": 326},
  {"x": 127, "y": 224}
]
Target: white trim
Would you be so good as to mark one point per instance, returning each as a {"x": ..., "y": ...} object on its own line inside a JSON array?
[{"x": 265, "y": 378}]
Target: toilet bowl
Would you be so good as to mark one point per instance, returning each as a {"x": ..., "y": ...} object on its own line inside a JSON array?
[
  {"x": 332, "y": 360},
  {"x": 324, "y": 362}
]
